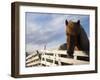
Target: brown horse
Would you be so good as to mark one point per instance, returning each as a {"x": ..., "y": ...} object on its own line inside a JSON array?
[{"x": 76, "y": 38}]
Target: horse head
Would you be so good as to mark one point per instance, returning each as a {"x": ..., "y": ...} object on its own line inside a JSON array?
[{"x": 72, "y": 33}]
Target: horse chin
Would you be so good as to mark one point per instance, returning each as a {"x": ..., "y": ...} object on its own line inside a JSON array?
[{"x": 70, "y": 55}]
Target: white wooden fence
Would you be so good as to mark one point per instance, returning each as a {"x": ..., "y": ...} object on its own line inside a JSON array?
[
  {"x": 55, "y": 58},
  {"x": 33, "y": 60}
]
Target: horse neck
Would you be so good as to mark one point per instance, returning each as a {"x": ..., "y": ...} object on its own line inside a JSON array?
[{"x": 83, "y": 40}]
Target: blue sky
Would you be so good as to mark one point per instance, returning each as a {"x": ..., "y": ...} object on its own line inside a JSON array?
[{"x": 49, "y": 29}]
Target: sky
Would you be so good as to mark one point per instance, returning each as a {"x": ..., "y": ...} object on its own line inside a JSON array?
[{"x": 49, "y": 29}]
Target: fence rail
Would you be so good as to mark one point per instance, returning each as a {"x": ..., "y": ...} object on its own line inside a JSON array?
[{"x": 55, "y": 58}]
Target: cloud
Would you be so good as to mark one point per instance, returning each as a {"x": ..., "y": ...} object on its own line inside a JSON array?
[
  {"x": 47, "y": 29},
  {"x": 31, "y": 47},
  {"x": 44, "y": 33}
]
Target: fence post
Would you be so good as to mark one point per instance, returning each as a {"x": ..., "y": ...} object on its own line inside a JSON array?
[
  {"x": 75, "y": 57},
  {"x": 45, "y": 57},
  {"x": 41, "y": 58},
  {"x": 58, "y": 59},
  {"x": 54, "y": 58}
]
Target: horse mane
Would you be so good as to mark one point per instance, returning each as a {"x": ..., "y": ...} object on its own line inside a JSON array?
[{"x": 83, "y": 40}]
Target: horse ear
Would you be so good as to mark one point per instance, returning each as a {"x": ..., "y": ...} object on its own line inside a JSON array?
[
  {"x": 78, "y": 22},
  {"x": 66, "y": 22}
]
